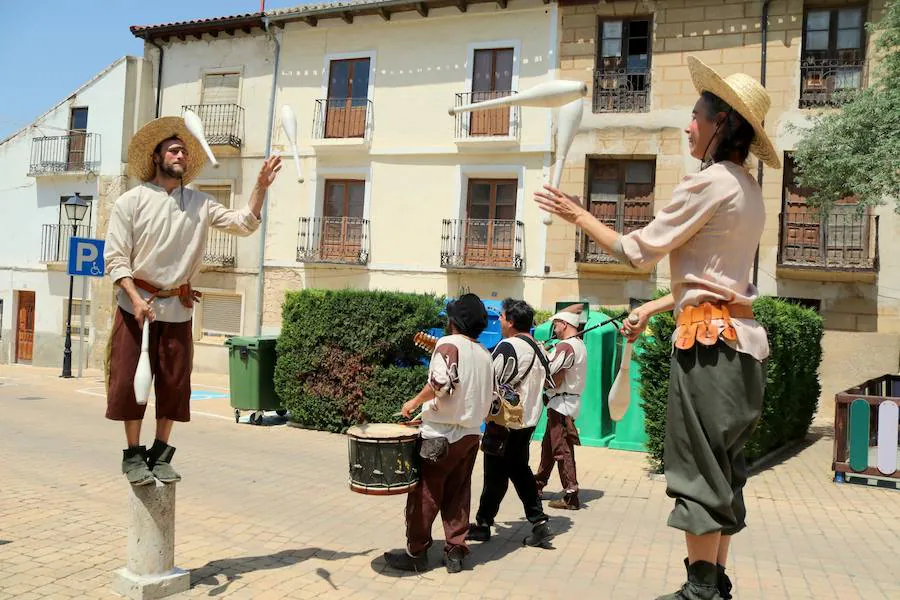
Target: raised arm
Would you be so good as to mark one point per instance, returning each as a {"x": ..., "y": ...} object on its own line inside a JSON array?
[{"x": 245, "y": 221}]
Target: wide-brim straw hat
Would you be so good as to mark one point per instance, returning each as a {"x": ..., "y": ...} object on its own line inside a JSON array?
[
  {"x": 140, "y": 150},
  {"x": 745, "y": 95}
]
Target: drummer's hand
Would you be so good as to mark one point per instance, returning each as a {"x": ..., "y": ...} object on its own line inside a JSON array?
[
  {"x": 635, "y": 324},
  {"x": 409, "y": 408}
]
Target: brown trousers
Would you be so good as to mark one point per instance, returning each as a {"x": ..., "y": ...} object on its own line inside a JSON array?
[
  {"x": 558, "y": 447},
  {"x": 444, "y": 486}
]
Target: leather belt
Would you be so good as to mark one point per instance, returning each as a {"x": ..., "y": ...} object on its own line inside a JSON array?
[
  {"x": 695, "y": 323},
  {"x": 185, "y": 293}
]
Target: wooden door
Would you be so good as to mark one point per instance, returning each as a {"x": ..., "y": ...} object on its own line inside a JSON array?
[
  {"x": 489, "y": 232},
  {"x": 25, "y": 327},
  {"x": 77, "y": 139},
  {"x": 621, "y": 196},
  {"x": 342, "y": 222},
  {"x": 347, "y": 103},
  {"x": 491, "y": 78},
  {"x": 801, "y": 224}
]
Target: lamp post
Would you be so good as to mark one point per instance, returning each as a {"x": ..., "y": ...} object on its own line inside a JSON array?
[{"x": 75, "y": 209}]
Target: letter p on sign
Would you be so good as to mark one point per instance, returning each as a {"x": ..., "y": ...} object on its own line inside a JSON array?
[{"x": 86, "y": 257}]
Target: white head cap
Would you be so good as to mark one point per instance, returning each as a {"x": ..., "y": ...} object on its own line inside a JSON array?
[{"x": 567, "y": 317}]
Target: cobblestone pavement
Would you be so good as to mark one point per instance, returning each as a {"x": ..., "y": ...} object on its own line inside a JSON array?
[{"x": 265, "y": 512}]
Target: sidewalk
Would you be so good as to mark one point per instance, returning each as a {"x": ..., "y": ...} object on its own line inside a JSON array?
[{"x": 265, "y": 512}]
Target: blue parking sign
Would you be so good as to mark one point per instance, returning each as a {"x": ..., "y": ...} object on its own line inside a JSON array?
[{"x": 86, "y": 257}]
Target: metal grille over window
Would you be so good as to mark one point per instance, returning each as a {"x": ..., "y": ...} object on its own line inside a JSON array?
[{"x": 221, "y": 314}]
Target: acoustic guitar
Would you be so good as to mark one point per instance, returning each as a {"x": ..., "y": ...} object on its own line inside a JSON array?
[{"x": 425, "y": 342}]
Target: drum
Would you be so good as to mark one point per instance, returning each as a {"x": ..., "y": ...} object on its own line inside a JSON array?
[{"x": 384, "y": 458}]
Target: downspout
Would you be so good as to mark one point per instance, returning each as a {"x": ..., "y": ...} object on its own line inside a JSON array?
[
  {"x": 158, "y": 75},
  {"x": 764, "y": 25},
  {"x": 260, "y": 277}
]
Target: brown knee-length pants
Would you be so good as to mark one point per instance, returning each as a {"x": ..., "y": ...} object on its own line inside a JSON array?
[{"x": 444, "y": 486}]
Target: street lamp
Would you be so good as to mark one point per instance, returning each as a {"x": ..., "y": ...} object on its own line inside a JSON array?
[{"x": 75, "y": 207}]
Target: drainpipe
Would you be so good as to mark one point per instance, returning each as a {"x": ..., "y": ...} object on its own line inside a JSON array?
[
  {"x": 764, "y": 25},
  {"x": 158, "y": 75},
  {"x": 260, "y": 278}
]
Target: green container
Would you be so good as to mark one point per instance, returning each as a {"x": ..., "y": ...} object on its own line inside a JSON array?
[
  {"x": 251, "y": 373},
  {"x": 630, "y": 431}
]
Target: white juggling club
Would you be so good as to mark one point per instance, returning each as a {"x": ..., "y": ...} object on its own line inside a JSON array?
[
  {"x": 567, "y": 123},
  {"x": 547, "y": 95},
  {"x": 289, "y": 125},
  {"x": 195, "y": 126},
  {"x": 620, "y": 392},
  {"x": 143, "y": 376}
]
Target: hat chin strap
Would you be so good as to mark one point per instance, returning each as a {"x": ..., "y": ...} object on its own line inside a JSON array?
[{"x": 704, "y": 163}]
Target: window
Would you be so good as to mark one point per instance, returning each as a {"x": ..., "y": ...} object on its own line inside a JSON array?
[
  {"x": 221, "y": 247},
  {"x": 77, "y": 139},
  {"x": 833, "y": 54},
  {"x": 622, "y": 78},
  {"x": 220, "y": 191},
  {"x": 220, "y": 314},
  {"x": 620, "y": 195},
  {"x": 221, "y": 88},
  {"x": 492, "y": 72},
  {"x": 342, "y": 219},
  {"x": 490, "y": 225},
  {"x": 79, "y": 328},
  {"x": 347, "y": 103}
]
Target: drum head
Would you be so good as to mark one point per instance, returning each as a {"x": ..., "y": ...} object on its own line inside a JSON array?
[{"x": 382, "y": 431}]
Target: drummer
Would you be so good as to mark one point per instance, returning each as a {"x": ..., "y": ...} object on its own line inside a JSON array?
[{"x": 456, "y": 401}]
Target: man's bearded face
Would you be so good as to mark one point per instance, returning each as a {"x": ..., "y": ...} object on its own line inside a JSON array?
[{"x": 171, "y": 159}]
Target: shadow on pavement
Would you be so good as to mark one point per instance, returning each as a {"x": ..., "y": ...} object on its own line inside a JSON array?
[{"x": 232, "y": 569}]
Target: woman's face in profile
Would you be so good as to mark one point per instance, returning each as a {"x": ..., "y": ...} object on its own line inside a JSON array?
[{"x": 700, "y": 130}]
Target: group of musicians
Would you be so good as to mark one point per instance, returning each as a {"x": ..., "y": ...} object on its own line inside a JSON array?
[{"x": 506, "y": 390}]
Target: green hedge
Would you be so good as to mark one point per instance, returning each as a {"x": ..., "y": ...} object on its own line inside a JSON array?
[
  {"x": 792, "y": 386},
  {"x": 346, "y": 356}
]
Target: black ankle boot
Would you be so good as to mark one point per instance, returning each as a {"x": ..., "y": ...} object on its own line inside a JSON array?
[
  {"x": 159, "y": 460},
  {"x": 134, "y": 466},
  {"x": 541, "y": 534},
  {"x": 723, "y": 583},
  {"x": 701, "y": 583}
]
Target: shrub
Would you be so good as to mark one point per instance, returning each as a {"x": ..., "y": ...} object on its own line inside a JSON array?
[
  {"x": 792, "y": 383},
  {"x": 337, "y": 347}
]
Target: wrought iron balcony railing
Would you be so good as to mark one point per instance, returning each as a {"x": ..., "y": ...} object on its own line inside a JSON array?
[
  {"x": 822, "y": 80},
  {"x": 222, "y": 123},
  {"x": 836, "y": 242},
  {"x": 482, "y": 244},
  {"x": 634, "y": 217},
  {"x": 55, "y": 241},
  {"x": 333, "y": 240},
  {"x": 61, "y": 154},
  {"x": 342, "y": 118},
  {"x": 221, "y": 249},
  {"x": 621, "y": 90},
  {"x": 502, "y": 121}
]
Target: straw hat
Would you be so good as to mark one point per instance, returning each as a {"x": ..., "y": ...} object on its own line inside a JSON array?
[
  {"x": 140, "y": 150},
  {"x": 745, "y": 95}
]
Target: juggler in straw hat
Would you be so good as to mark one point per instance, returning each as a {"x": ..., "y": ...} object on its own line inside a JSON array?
[{"x": 145, "y": 141}]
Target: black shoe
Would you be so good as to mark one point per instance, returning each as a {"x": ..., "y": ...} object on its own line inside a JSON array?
[
  {"x": 134, "y": 466},
  {"x": 479, "y": 533},
  {"x": 701, "y": 583},
  {"x": 540, "y": 534},
  {"x": 402, "y": 561},
  {"x": 723, "y": 583},
  {"x": 453, "y": 560},
  {"x": 159, "y": 460}
]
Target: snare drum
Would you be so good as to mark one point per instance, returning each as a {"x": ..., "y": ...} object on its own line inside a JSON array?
[{"x": 384, "y": 458}]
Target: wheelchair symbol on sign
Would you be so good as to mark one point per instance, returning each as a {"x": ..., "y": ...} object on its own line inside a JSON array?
[{"x": 95, "y": 270}]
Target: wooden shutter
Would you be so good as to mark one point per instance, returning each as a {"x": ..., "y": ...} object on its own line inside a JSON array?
[
  {"x": 221, "y": 314},
  {"x": 221, "y": 88},
  {"x": 221, "y": 193}
]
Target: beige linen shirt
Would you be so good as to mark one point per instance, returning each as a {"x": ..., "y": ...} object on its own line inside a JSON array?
[
  {"x": 161, "y": 238},
  {"x": 710, "y": 230}
]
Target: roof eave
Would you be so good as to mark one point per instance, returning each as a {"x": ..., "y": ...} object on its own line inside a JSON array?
[{"x": 227, "y": 25}]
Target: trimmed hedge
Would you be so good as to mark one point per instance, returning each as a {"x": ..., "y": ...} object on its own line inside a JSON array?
[
  {"x": 792, "y": 383},
  {"x": 347, "y": 356}
]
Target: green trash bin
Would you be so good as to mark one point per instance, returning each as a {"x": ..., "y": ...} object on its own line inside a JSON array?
[
  {"x": 251, "y": 376},
  {"x": 631, "y": 434}
]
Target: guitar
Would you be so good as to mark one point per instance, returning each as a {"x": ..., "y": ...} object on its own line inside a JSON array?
[{"x": 425, "y": 342}]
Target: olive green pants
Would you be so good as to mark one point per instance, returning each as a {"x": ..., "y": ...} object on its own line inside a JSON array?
[{"x": 715, "y": 401}]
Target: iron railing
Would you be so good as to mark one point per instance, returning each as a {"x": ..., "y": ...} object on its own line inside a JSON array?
[
  {"x": 222, "y": 123},
  {"x": 338, "y": 118},
  {"x": 822, "y": 80},
  {"x": 634, "y": 217},
  {"x": 55, "y": 245},
  {"x": 502, "y": 121},
  {"x": 59, "y": 154},
  {"x": 333, "y": 240},
  {"x": 482, "y": 244},
  {"x": 621, "y": 90},
  {"x": 839, "y": 242},
  {"x": 221, "y": 249}
]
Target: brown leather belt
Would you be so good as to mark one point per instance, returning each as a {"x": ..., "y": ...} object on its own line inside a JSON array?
[
  {"x": 185, "y": 293},
  {"x": 695, "y": 323}
]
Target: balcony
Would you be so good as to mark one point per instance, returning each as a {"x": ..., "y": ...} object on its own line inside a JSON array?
[
  {"x": 621, "y": 90},
  {"x": 55, "y": 246},
  {"x": 635, "y": 216},
  {"x": 500, "y": 123},
  {"x": 343, "y": 121},
  {"x": 342, "y": 240},
  {"x": 222, "y": 123},
  {"x": 221, "y": 249},
  {"x": 843, "y": 242},
  {"x": 822, "y": 80},
  {"x": 482, "y": 244},
  {"x": 74, "y": 154}
]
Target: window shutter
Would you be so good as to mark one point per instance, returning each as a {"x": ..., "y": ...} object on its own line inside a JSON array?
[
  {"x": 221, "y": 193},
  {"x": 78, "y": 329},
  {"x": 221, "y": 314},
  {"x": 221, "y": 88}
]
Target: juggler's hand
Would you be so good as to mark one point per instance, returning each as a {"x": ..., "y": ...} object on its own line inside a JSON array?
[
  {"x": 556, "y": 202},
  {"x": 267, "y": 173}
]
